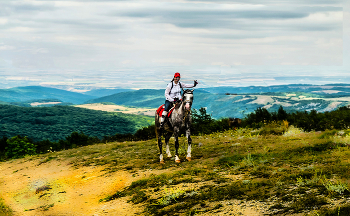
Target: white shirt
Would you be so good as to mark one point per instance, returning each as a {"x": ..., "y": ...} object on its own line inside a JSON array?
[{"x": 175, "y": 91}]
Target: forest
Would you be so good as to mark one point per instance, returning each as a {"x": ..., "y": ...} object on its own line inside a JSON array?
[{"x": 57, "y": 122}]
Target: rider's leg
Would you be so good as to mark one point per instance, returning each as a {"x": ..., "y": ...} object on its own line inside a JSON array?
[
  {"x": 162, "y": 118},
  {"x": 165, "y": 113}
]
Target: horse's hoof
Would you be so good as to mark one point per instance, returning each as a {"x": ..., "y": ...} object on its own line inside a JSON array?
[
  {"x": 177, "y": 161},
  {"x": 162, "y": 162},
  {"x": 188, "y": 158}
]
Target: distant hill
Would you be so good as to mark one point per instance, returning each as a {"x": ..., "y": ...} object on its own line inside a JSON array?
[
  {"x": 23, "y": 94},
  {"x": 105, "y": 92},
  {"x": 343, "y": 89},
  {"x": 40, "y": 103},
  {"x": 2, "y": 102},
  {"x": 148, "y": 98},
  {"x": 55, "y": 123},
  {"x": 224, "y": 101},
  {"x": 236, "y": 102}
]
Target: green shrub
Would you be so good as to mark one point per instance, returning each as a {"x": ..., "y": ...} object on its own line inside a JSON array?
[
  {"x": 4, "y": 209},
  {"x": 18, "y": 147}
]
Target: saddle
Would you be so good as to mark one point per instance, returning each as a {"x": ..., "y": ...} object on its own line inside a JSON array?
[{"x": 161, "y": 109}]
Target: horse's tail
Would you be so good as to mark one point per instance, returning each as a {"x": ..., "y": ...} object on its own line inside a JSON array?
[
  {"x": 155, "y": 123},
  {"x": 155, "y": 129}
]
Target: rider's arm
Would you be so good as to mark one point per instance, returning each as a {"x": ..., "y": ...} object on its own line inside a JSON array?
[
  {"x": 167, "y": 93},
  {"x": 184, "y": 85}
]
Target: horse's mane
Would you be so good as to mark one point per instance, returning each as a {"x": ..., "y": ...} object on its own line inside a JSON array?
[{"x": 177, "y": 105}]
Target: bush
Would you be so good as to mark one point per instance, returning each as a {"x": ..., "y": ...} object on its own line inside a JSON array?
[
  {"x": 275, "y": 128},
  {"x": 18, "y": 147},
  {"x": 338, "y": 119},
  {"x": 203, "y": 123}
]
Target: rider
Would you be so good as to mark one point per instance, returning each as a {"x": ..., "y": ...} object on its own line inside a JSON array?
[{"x": 173, "y": 94}]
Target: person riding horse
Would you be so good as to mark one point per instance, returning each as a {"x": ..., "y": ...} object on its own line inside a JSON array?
[{"x": 173, "y": 94}]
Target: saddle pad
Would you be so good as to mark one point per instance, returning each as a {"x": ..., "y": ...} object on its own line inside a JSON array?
[{"x": 161, "y": 109}]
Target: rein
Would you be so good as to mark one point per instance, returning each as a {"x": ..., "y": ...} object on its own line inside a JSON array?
[
  {"x": 186, "y": 114},
  {"x": 186, "y": 111}
]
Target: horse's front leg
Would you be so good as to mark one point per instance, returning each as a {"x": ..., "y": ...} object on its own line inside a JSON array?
[
  {"x": 176, "y": 136},
  {"x": 189, "y": 140}
]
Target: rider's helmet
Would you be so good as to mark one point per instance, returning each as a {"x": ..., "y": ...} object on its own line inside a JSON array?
[{"x": 177, "y": 74}]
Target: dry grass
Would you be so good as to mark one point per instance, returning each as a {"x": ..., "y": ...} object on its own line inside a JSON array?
[{"x": 294, "y": 173}]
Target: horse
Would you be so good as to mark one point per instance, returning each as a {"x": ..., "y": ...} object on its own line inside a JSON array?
[{"x": 180, "y": 118}]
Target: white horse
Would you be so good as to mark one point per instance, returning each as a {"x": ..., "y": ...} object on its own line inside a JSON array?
[{"x": 180, "y": 118}]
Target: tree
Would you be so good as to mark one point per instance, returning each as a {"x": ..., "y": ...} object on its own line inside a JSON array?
[
  {"x": 19, "y": 147},
  {"x": 3, "y": 144},
  {"x": 202, "y": 117},
  {"x": 282, "y": 114},
  {"x": 77, "y": 139}
]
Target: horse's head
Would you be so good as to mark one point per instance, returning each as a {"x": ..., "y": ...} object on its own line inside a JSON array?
[{"x": 187, "y": 98}]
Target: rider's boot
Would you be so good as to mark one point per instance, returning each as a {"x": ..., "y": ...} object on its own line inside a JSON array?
[{"x": 162, "y": 119}]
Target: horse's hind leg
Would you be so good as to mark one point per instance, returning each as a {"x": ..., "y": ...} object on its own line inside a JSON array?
[
  {"x": 159, "y": 134},
  {"x": 167, "y": 137},
  {"x": 189, "y": 140},
  {"x": 176, "y": 135}
]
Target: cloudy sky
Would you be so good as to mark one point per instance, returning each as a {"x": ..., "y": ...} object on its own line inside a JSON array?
[{"x": 83, "y": 44}]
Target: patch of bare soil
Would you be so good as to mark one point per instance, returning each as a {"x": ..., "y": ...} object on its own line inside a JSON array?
[
  {"x": 57, "y": 188},
  {"x": 118, "y": 108}
]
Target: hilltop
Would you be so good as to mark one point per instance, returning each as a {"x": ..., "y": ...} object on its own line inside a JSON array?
[
  {"x": 33, "y": 93},
  {"x": 236, "y": 171}
]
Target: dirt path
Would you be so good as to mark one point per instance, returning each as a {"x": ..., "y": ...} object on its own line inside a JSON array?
[{"x": 56, "y": 188}]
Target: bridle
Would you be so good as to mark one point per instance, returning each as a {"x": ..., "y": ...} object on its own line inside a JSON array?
[{"x": 185, "y": 101}]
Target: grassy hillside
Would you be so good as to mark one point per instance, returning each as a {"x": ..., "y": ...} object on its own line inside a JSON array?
[
  {"x": 55, "y": 123},
  {"x": 233, "y": 172},
  {"x": 23, "y": 94}
]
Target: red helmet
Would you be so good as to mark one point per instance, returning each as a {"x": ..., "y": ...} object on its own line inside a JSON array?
[{"x": 177, "y": 74}]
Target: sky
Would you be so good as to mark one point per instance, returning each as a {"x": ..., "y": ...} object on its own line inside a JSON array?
[{"x": 85, "y": 44}]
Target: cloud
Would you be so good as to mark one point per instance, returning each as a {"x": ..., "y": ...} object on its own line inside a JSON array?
[
  {"x": 275, "y": 2},
  {"x": 3, "y": 21},
  {"x": 21, "y": 78},
  {"x": 6, "y": 47},
  {"x": 20, "y": 7},
  {"x": 94, "y": 38},
  {"x": 248, "y": 18}
]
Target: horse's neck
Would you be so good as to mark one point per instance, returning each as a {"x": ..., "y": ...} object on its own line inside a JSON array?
[{"x": 181, "y": 109}]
